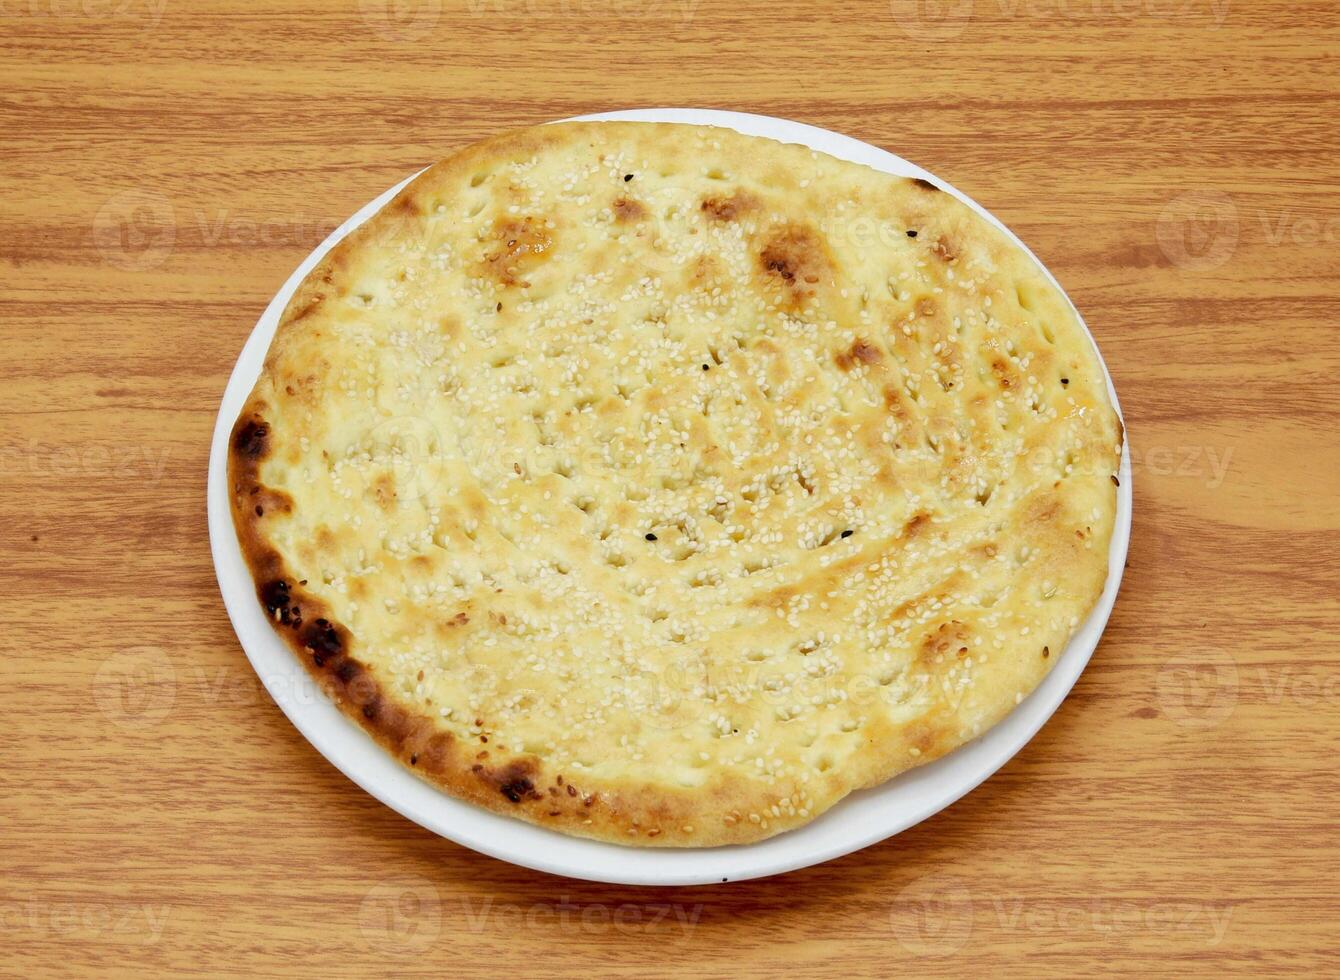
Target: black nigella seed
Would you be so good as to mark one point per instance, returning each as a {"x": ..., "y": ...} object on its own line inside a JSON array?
[
  {"x": 1065, "y": 381},
  {"x": 847, "y": 533},
  {"x": 627, "y": 178},
  {"x": 650, "y": 536},
  {"x": 911, "y": 234},
  {"x": 707, "y": 367}
]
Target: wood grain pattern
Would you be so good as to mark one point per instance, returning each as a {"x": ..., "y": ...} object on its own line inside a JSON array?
[{"x": 164, "y": 166}]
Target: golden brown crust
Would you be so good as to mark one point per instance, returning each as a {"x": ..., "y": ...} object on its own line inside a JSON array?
[
  {"x": 940, "y": 407},
  {"x": 518, "y": 786}
]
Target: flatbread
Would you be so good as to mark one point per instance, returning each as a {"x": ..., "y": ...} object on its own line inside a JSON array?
[{"x": 664, "y": 485}]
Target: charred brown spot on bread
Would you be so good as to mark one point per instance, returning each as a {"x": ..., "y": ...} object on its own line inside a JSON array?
[
  {"x": 278, "y": 602},
  {"x": 251, "y": 439},
  {"x": 516, "y": 780},
  {"x": 896, "y": 404},
  {"x": 518, "y": 788},
  {"x": 926, "y": 306},
  {"x": 266, "y": 501},
  {"x": 790, "y": 255},
  {"x": 865, "y": 352},
  {"x": 383, "y": 489},
  {"x": 860, "y": 352},
  {"x": 406, "y": 205},
  {"x": 923, "y": 737},
  {"x": 401, "y": 727},
  {"x": 302, "y": 617},
  {"x": 322, "y": 638},
  {"x": 1005, "y": 375},
  {"x": 945, "y": 249},
  {"x": 436, "y": 752},
  {"x": 728, "y": 208},
  {"x": 348, "y": 670},
  {"x": 773, "y": 599},
  {"x": 705, "y": 272},
  {"x": 795, "y": 257},
  {"x": 626, "y": 210},
  {"x": 307, "y": 308},
  {"x": 949, "y": 639},
  {"x": 916, "y": 525},
  {"x": 924, "y": 184},
  {"x": 325, "y": 537},
  {"x": 1044, "y": 509},
  {"x": 517, "y": 245}
]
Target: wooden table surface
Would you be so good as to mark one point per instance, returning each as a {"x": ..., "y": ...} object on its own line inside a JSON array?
[{"x": 163, "y": 167}]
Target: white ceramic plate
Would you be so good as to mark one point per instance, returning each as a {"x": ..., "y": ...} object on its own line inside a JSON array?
[{"x": 858, "y": 821}]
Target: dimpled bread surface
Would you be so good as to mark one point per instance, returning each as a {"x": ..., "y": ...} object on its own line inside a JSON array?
[{"x": 663, "y": 485}]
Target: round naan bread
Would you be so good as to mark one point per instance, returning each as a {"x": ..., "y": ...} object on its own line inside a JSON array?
[{"x": 663, "y": 485}]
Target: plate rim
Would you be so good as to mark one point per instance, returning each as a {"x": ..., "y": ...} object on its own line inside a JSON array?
[{"x": 350, "y": 750}]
